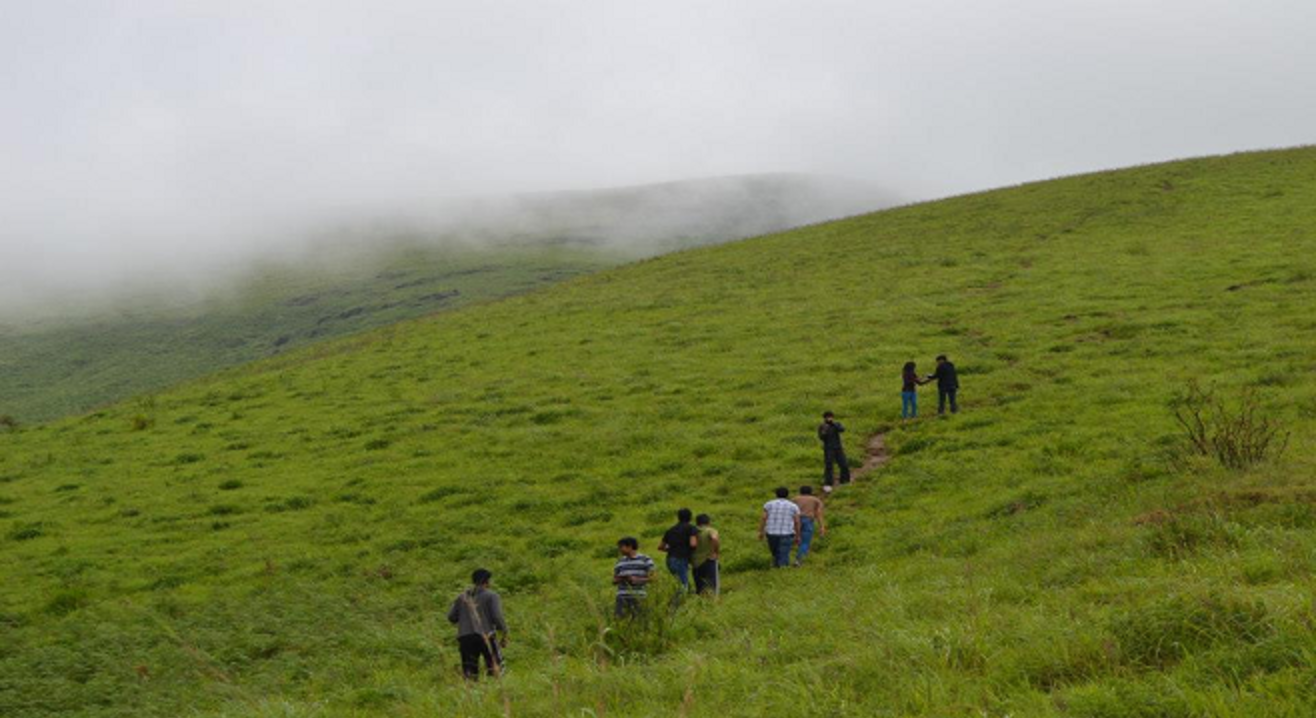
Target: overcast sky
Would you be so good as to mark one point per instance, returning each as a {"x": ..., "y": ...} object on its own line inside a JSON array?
[{"x": 151, "y": 134}]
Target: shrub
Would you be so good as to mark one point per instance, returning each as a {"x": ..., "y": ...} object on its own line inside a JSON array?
[
  {"x": 8, "y": 423},
  {"x": 1235, "y": 437},
  {"x": 230, "y": 485}
]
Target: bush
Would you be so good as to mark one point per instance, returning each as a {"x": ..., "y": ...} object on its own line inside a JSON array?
[
  {"x": 8, "y": 423},
  {"x": 1235, "y": 437}
]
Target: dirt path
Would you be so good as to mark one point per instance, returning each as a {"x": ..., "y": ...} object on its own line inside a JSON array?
[{"x": 875, "y": 456}]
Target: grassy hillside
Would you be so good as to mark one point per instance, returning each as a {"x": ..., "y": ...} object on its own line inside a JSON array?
[
  {"x": 66, "y": 360},
  {"x": 282, "y": 540},
  {"x": 60, "y": 366}
]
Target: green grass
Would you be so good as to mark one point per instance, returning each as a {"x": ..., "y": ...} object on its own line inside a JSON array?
[
  {"x": 282, "y": 539},
  {"x": 58, "y": 367}
]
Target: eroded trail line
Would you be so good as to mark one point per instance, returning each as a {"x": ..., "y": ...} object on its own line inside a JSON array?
[{"x": 875, "y": 456}]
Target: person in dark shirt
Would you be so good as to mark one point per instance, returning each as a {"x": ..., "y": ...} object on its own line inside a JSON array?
[
  {"x": 948, "y": 383},
  {"x": 679, "y": 543},
  {"x": 481, "y": 630},
  {"x": 829, "y": 433},
  {"x": 909, "y": 391}
]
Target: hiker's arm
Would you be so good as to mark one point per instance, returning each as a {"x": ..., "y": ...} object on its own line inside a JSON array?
[
  {"x": 763, "y": 524},
  {"x": 496, "y": 618},
  {"x": 797, "y": 528},
  {"x": 716, "y": 541},
  {"x": 662, "y": 545},
  {"x": 694, "y": 541},
  {"x": 453, "y": 613}
]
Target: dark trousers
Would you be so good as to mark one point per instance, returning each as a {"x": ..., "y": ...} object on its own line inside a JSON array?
[
  {"x": 780, "y": 546},
  {"x": 942, "y": 396},
  {"x": 835, "y": 456},
  {"x": 472, "y": 647},
  {"x": 706, "y": 578},
  {"x": 629, "y": 606}
]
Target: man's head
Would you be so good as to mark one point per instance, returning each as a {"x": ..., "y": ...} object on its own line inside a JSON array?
[
  {"x": 684, "y": 515},
  {"x": 703, "y": 520},
  {"x": 941, "y": 359},
  {"x": 806, "y": 490},
  {"x": 481, "y": 577},
  {"x": 628, "y": 546},
  {"x": 783, "y": 492},
  {"x": 828, "y": 416}
]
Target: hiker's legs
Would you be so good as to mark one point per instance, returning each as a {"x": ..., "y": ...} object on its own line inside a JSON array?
[
  {"x": 908, "y": 404},
  {"x": 628, "y": 606},
  {"x": 781, "y": 550},
  {"x": 701, "y": 577},
  {"x": 471, "y": 647},
  {"x": 774, "y": 546},
  {"x": 680, "y": 568},
  {"x": 806, "y": 537},
  {"x": 954, "y": 407},
  {"x": 845, "y": 466},
  {"x": 941, "y": 401},
  {"x": 828, "y": 461}
]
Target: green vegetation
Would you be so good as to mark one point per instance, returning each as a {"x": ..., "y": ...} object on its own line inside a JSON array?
[
  {"x": 282, "y": 539},
  {"x": 59, "y": 367}
]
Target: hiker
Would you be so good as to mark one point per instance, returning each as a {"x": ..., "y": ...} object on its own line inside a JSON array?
[
  {"x": 811, "y": 519},
  {"x": 780, "y": 525},
  {"x": 829, "y": 432},
  {"x": 632, "y": 574},
  {"x": 478, "y": 614},
  {"x": 679, "y": 543},
  {"x": 948, "y": 382},
  {"x": 706, "y": 556},
  {"x": 909, "y": 391}
]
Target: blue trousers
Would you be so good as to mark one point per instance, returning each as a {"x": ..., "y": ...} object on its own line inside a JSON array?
[
  {"x": 680, "y": 568},
  {"x": 908, "y": 404},
  {"x": 781, "y": 549},
  {"x": 806, "y": 538}
]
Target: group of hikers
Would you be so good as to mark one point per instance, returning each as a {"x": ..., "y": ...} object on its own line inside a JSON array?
[{"x": 693, "y": 546}]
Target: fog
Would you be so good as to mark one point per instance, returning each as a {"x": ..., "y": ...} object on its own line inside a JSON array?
[{"x": 179, "y": 139}]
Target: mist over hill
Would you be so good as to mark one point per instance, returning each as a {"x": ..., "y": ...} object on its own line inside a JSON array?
[{"x": 67, "y": 349}]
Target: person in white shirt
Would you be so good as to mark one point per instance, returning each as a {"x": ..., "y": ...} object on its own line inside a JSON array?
[{"x": 780, "y": 525}]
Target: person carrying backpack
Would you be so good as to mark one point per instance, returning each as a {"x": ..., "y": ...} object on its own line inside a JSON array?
[{"x": 478, "y": 615}]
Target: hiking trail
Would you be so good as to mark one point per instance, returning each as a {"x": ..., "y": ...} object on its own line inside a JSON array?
[{"x": 875, "y": 456}]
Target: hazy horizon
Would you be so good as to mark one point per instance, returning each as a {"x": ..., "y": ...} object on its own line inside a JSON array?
[{"x": 172, "y": 141}]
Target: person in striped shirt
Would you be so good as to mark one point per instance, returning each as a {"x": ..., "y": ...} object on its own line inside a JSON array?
[{"x": 631, "y": 575}]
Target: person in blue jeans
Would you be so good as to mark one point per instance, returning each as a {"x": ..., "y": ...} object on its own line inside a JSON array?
[
  {"x": 811, "y": 520},
  {"x": 909, "y": 391},
  {"x": 780, "y": 525},
  {"x": 679, "y": 542}
]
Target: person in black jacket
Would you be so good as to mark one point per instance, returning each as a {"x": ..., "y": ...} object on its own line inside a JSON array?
[
  {"x": 948, "y": 382},
  {"x": 829, "y": 432}
]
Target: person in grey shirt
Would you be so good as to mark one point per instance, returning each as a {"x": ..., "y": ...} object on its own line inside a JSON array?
[{"x": 478, "y": 615}]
